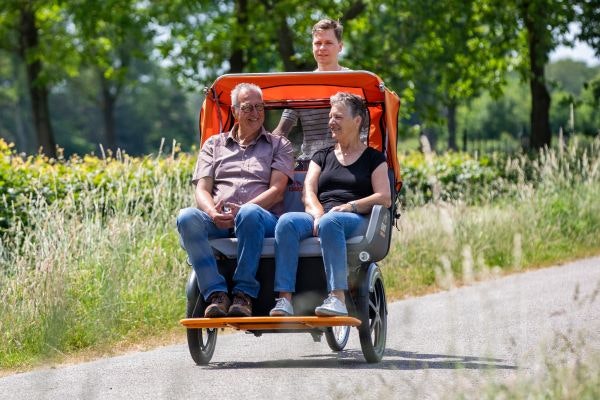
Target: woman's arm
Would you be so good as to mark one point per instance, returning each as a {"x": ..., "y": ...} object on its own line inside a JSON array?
[{"x": 310, "y": 194}]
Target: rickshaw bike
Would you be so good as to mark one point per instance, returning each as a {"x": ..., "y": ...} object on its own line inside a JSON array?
[{"x": 366, "y": 298}]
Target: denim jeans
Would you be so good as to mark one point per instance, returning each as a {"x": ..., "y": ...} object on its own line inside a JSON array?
[
  {"x": 252, "y": 225},
  {"x": 334, "y": 228}
]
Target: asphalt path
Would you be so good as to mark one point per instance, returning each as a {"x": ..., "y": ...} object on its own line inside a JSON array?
[{"x": 500, "y": 330}]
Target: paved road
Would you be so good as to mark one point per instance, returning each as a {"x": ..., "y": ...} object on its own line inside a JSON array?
[{"x": 496, "y": 330}]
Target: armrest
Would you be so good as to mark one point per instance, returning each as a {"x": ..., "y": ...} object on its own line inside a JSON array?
[{"x": 376, "y": 242}]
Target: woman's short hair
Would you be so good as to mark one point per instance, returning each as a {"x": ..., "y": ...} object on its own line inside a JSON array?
[
  {"x": 243, "y": 86},
  {"x": 355, "y": 104}
]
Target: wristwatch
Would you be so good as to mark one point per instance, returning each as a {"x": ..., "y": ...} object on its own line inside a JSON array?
[{"x": 353, "y": 205}]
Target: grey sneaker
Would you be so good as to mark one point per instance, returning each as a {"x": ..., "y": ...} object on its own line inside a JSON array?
[
  {"x": 332, "y": 306},
  {"x": 283, "y": 308}
]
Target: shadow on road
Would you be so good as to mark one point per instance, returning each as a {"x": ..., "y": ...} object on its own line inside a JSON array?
[{"x": 393, "y": 359}]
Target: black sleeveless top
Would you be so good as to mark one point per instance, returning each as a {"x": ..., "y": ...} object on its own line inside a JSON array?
[{"x": 339, "y": 184}]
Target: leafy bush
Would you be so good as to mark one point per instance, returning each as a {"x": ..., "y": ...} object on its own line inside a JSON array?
[
  {"x": 27, "y": 182},
  {"x": 458, "y": 177}
]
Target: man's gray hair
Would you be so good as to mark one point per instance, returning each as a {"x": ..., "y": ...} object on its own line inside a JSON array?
[
  {"x": 243, "y": 86},
  {"x": 355, "y": 104}
]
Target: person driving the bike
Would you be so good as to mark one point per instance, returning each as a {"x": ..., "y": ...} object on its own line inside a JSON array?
[{"x": 327, "y": 45}]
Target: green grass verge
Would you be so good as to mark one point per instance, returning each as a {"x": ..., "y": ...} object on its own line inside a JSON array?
[
  {"x": 100, "y": 287},
  {"x": 439, "y": 244}
]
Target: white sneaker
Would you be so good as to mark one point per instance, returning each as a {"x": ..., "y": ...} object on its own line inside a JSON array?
[
  {"x": 331, "y": 306},
  {"x": 283, "y": 308}
]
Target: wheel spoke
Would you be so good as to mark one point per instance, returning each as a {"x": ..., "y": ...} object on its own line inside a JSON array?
[
  {"x": 376, "y": 321},
  {"x": 373, "y": 306}
]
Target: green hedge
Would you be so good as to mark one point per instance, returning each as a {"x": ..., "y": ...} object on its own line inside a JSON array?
[
  {"x": 28, "y": 181},
  {"x": 450, "y": 177}
]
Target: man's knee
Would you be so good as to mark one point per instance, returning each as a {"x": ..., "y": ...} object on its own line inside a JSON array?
[
  {"x": 251, "y": 213},
  {"x": 190, "y": 218},
  {"x": 286, "y": 225}
]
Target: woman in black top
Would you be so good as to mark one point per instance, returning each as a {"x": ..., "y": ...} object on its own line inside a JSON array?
[{"x": 342, "y": 185}]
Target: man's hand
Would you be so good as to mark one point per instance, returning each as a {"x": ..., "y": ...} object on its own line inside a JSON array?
[
  {"x": 231, "y": 208},
  {"x": 222, "y": 218}
]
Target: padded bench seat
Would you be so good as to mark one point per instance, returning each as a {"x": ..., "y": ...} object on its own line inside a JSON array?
[
  {"x": 309, "y": 247},
  {"x": 374, "y": 243}
]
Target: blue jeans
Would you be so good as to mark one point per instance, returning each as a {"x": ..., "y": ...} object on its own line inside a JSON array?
[
  {"x": 334, "y": 228},
  {"x": 252, "y": 225}
]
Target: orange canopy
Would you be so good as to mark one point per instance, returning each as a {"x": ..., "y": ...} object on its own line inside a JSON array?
[{"x": 310, "y": 90}]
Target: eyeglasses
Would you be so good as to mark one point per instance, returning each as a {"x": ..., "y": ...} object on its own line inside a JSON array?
[{"x": 247, "y": 107}]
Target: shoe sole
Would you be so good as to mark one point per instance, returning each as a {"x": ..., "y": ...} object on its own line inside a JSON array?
[
  {"x": 329, "y": 313},
  {"x": 214, "y": 312},
  {"x": 280, "y": 314},
  {"x": 238, "y": 313}
]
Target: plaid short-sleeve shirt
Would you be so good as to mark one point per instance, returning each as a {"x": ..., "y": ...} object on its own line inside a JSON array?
[{"x": 240, "y": 173}]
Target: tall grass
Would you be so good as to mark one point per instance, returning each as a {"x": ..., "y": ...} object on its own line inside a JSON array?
[
  {"x": 546, "y": 227},
  {"x": 97, "y": 267},
  {"x": 549, "y": 212}
]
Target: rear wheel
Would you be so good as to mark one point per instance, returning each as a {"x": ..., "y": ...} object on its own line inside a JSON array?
[
  {"x": 337, "y": 337},
  {"x": 201, "y": 342},
  {"x": 373, "y": 330}
]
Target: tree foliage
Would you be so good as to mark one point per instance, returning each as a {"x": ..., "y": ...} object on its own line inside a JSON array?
[{"x": 123, "y": 69}]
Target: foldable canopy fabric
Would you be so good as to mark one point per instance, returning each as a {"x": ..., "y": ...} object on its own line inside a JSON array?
[{"x": 310, "y": 90}]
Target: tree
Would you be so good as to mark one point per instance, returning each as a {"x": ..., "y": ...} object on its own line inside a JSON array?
[
  {"x": 588, "y": 16},
  {"x": 111, "y": 35},
  {"x": 34, "y": 30},
  {"x": 470, "y": 52},
  {"x": 203, "y": 40},
  {"x": 570, "y": 75},
  {"x": 546, "y": 23},
  {"x": 438, "y": 54},
  {"x": 13, "y": 122}
]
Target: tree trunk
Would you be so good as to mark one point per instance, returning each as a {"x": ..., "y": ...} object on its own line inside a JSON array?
[
  {"x": 236, "y": 61},
  {"x": 353, "y": 11},
  {"x": 540, "y": 98},
  {"x": 28, "y": 40},
  {"x": 107, "y": 105},
  {"x": 286, "y": 49},
  {"x": 21, "y": 133},
  {"x": 451, "y": 110}
]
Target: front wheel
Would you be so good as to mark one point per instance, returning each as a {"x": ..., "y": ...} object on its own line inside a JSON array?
[
  {"x": 373, "y": 310},
  {"x": 337, "y": 337},
  {"x": 201, "y": 342}
]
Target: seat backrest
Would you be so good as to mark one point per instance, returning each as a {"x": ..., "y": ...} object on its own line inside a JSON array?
[{"x": 292, "y": 200}]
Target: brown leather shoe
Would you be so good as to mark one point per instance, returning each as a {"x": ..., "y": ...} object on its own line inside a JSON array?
[
  {"x": 241, "y": 307},
  {"x": 219, "y": 304}
]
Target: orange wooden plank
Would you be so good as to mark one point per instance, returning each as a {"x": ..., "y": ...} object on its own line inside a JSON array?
[{"x": 263, "y": 323}]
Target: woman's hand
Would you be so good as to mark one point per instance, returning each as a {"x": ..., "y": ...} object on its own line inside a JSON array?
[
  {"x": 316, "y": 225},
  {"x": 343, "y": 208}
]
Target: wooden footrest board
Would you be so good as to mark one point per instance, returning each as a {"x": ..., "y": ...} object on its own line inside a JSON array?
[{"x": 268, "y": 323}]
